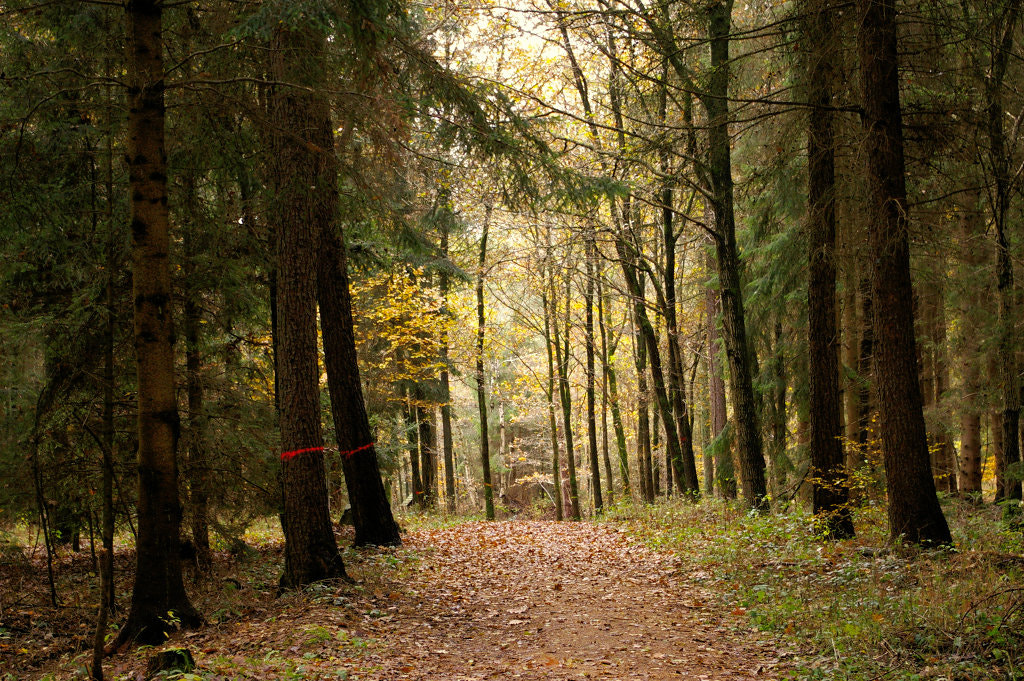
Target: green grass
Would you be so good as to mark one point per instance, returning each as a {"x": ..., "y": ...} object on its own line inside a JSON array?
[{"x": 861, "y": 609}]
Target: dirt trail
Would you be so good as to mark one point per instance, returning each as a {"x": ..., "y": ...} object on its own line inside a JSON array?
[
  {"x": 560, "y": 601},
  {"x": 502, "y": 600}
]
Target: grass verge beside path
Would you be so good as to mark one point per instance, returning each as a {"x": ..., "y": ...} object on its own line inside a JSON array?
[{"x": 860, "y": 610}]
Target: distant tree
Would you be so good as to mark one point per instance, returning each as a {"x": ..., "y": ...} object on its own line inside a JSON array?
[{"x": 481, "y": 392}]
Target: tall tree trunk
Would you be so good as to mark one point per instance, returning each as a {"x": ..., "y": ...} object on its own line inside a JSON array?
[
  {"x": 851, "y": 389},
  {"x": 446, "y": 391},
  {"x": 428, "y": 454},
  {"x": 914, "y": 511},
  {"x": 945, "y": 455},
  {"x": 371, "y": 511},
  {"x": 716, "y": 102},
  {"x": 777, "y": 454},
  {"x": 998, "y": 452},
  {"x": 110, "y": 314},
  {"x": 1008, "y": 308},
  {"x": 725, "y": 475},
  {"x": 588, "y": 304},
  {"x": 412, "y": 441},
  {"x": 302, "y": 183},
  {"x": 564, "y": 391},
  {"x": 556, "y": 467},
  {"x": 627, "y": 259},
  {"x": 608, "y": 359},
  {"x": 686, "y": 469},
  {"x": 604, "y": 386},
  {"x": 198, "y": 466},
  {"x": 972, "y": 264},
  {"x": 159, "y": 589},
  {"x": 481, "y": 396},
  {"x": 831, "y": 497},
  {"x": 865, "y": 364},
  {"x": 645, "y": 454}
]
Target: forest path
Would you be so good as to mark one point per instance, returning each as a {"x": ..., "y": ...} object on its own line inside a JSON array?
[{"x": 535, "y": 599}]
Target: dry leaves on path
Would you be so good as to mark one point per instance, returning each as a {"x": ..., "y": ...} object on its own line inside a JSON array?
[
  {"x": 498, "y": 600},
  {"x": 541, "y": 599}
]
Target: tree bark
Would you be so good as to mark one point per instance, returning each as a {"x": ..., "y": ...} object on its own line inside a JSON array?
[
  {"x": 197, "y": 465},
  {"x": 107, "y": 557},
  {"x": 446, "y": 391},
  {"x": 604, "y": 386},
  {"x": 481, "y": 396},
  {"x": 564, "y": 391},
  {"x": 914, "y": 512},
  {"x": 972, "y": 264},
  {"x": 371, "y": 511},
  {"x": 428, "y": 456},
  {"x": 556, "y": 467},
  {"x": 945, "y": 454},
  {"x": 303, "y": 184},
  {"x": 725, "y": 474},
  {"x": 1008, "y": 308},
  {"x": 588, "y": 304},
  {"x": 831, "y": 497},
  {"x": 716, "y": 102},
  {"x": 646, "y": 331},
  {"x": 611, "y": 378},
  {"x": 412, "y": 441},
  {"x": 159, "y": 592}
]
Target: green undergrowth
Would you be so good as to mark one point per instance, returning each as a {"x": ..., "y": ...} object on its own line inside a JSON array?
[{"x": 861, "y": 609}]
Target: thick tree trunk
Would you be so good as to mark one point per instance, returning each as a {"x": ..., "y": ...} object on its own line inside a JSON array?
[
  {"x": 831, "y": 498},
  {"x": 741, "y": 385},
  {"x": 302, "y": 182},
  {"x": 371, "y": 511},
  {"x": 481, "y": 396},
  {"x": 1008, "y": 308},
  {"x": 914, "y": 511},
  {"x": 159, "y": 590}
]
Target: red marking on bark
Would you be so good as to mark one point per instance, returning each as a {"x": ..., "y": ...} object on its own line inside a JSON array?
[
  {"x": 295, "y": 452},
  {"x": 350, "y": 452}
]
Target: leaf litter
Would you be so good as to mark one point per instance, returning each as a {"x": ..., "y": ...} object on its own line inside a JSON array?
[{"x": 480, "y": 600}]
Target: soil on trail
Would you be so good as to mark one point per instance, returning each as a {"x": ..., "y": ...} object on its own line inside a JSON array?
[
  {"x": 561, "y": 601},
  {"x": 479, "y": 600}
]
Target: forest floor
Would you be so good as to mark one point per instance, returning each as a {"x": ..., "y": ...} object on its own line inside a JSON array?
[
  {"x": 675, "y": 590},
  {"x": 477, "y": 600}
]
